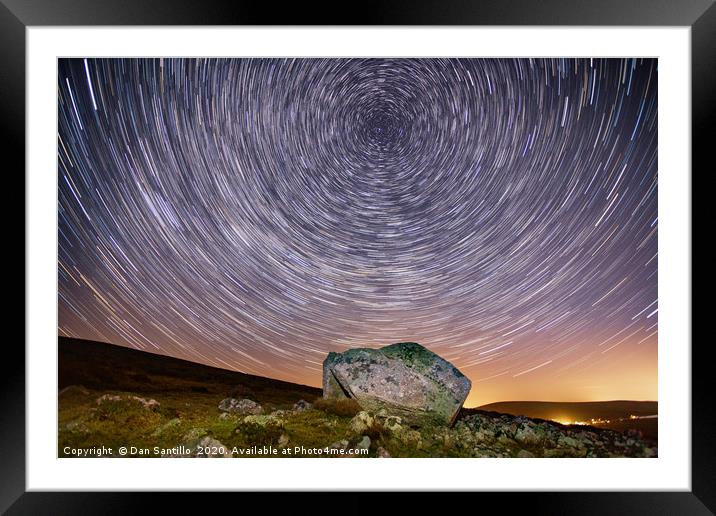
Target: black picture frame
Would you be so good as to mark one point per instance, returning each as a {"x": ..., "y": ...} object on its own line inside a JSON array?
[{"x": 17, "y": 15}]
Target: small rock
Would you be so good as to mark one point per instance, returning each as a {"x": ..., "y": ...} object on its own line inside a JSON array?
[
  {"x": 147, "y": 403},
  {"x": 283, "y": 441},
  {"x": 506, "y": 441},
  {"x": 263, "y": 420},
  {"x": 364, "y": 443},
  {"x": 196, "y": 443},
  {"x": 524, "y": 454},
  {"x": 527, "y": 435},
  {"x": 392, "y": 423},
  {"x": 244, "y": 406},
  {"x": 410, "y": 437},
  {"x": 108, "y": 397},
  {"x": 339, "y": 445},
  {"x": 447, "y": 439},
  {"x": 209, "y": 447},
  {"x": 77, "y": 427},
  {"x": 382, "y": 453},
  {"x": 302, "y": 405},
  {"x": 570, "y": 442},
  {"x": 362, "y": 422},
  {"x": 480, "y": 436}
]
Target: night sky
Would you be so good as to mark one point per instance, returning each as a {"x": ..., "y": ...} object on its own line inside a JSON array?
[{"x": 255, "y": 214}]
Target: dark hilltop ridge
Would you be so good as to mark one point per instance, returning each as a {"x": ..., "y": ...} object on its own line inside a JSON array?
[
  {"x": 98, "y": 365},
  {"x": 397, "y": 401}
]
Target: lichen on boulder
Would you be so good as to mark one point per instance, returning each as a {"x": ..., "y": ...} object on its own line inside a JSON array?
[{"x": 404, "y": 379}]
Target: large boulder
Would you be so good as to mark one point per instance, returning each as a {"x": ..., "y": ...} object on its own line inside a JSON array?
[{"x": 403, "y": 379}]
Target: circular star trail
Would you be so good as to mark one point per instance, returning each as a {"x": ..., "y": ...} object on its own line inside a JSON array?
[{"x": 255, "y": 214}]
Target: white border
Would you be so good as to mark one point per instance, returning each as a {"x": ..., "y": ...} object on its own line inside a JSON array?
[{"x": 670, "y": 471}]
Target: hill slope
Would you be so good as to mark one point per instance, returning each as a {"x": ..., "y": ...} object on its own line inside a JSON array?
[
  {"x": 111, "y": 397},
  {"x": 101, "y": 366}
]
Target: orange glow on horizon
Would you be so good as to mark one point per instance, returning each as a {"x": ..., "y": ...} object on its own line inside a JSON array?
[{"x": 633, "y": 376}]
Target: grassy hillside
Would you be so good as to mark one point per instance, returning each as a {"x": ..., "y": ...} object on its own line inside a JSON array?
[
  {"x": 106, "y": 367},
  {"x": 111, "y": 396}
]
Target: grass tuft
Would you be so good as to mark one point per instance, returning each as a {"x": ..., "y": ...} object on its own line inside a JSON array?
[{"x": 341, "y": 408}]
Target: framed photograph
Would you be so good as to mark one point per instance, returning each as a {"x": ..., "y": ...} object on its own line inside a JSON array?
[{"x": 449, "y": 243}]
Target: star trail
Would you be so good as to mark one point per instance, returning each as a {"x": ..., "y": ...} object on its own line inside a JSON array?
[{"x": 255, "y": 214}]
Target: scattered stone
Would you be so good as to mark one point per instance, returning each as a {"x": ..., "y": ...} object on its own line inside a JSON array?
[
  {"x": 108, "y": 397},
  {"x": 339, "y": 445},
  {"x": 77, "y": 427},
  {"x": 209, "y": 447},
  {"x": 382, "y": 453},
  {"x": 264, "y": 420},
  {"x": 528, "y": 435},
  {"x": 392, "y": 423},
  {"x": 410, "y": 437},
  {"x": 283, "y": 441},
  {"x": 364, "y": 443},
  {"x": 506, "y": 441},
  {"x": 302, "y": 405},
  {"x": 202, "y": 447},
  {"x": 146, "y": 403},
  {"x": 570, "y": 442},
  {"x": 244, "y": 406},
  {"x": 362, "y": 422},
  {"x": 196, "y": 443},
  {"x": 403, "y": 379},
  {"x": 482, "y": 435},
  {"x": 508, "y": 434},
  {"x": 524, "y": 454}
]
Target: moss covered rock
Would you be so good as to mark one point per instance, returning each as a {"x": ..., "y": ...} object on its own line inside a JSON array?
[{"x": 403, "y": 379}]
